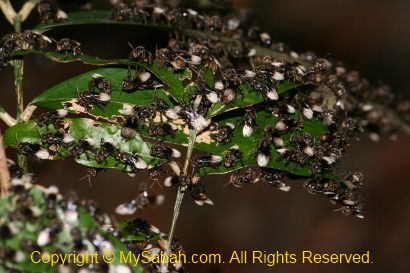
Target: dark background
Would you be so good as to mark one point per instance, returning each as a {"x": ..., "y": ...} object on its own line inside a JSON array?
[{"x": 371, "y": 36}]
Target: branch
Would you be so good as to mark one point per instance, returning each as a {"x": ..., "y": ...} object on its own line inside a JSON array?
[
  {"x": 28, "y": 112},
  {"x": 180, "y": 194},
  {"x": 4, "y": 171},
  {"x": 27, "y": 8},
  {"x": 8, "y": 10},
  {"x": 9, "y": 120}
]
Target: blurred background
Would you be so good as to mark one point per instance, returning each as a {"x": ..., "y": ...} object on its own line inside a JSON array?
[{"x": 370, "y": 36}]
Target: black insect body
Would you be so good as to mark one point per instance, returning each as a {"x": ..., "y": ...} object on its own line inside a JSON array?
[
  {"x": 294, "y": 155},
  {"x": 232, "y": 156},
  {"x": 180, "y": 182},
  {"x": 210, "y": 94},
  {"x": 143, "y": 113},
  {"x": 162, "y": 151},
  {"x": 139, "y": 226},
  {"x": 315, "y": 168},
  {"x": 81, "y": 147},
  {"x": 161, "y": 106},
  {"x": 132, "y": 83},
  {"x": 4, "y": 55},
  {"x": 213, "y": 23},
  {"x": 357, "y": 179},
  {"x": 10, "y": 42},
  {"x": 266, "y": 89},
  {"x": 314, "y": 186},
  {"x": 183, "y": 59},
  {"x": 206, "y": 161},
  {"x": 161, "y": 129},
  {"x": 131, "y": 160},
  {"x": 66, "y": 46},
  {"x": 142, "y": 201},
  {"x": 257, "y": 35},
  {"x": 35, "y": 150},
  {"x": 49, "y": 12},
  {"x": 195, "y": 119},
  {"x": 238, "y": 180},
  {"x": 224, "y": 133},
  {"x": 207, "y": 59},
  {"x": 140, "y": 14},
  {"x": 106, "y": 149},
  {"x": 33, "y": 39},
  {"x": 198, "y": 193},
  {"x": 263, "y": 152},
  {"x": 165, "y": 56},
  {"x": 122, "y": 12},
  {"x": 87, "y": 98},
  {"x": 236, "y": 77},
  {"x": 356, "y": 210},
  {"x": 274, "y": 178},
  {"x": 249, "y": 122},
  {"x": 91, "y": 172},
  {"x": 52, "y": 117},
  {"x": 274, "y": 137},
  {"x": 129, "y": 128},
  {"x": 53, "y": 138},
  {"x": 284, "y": 125},
  {"x": 154, "y": 173},
  {"x": 141, "y": 54},
  {"x": 101, "y": 83}
]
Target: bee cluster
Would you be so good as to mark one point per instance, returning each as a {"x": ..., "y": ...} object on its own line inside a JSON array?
[
  {"x": 58, "y": 136},
  {"x": 246, "y": 65},
  {"x": 285, "y": 135},
  {"x": 41, "y": 219},
  {"x": 137, "y": 227},
  {"x": 32, "y": 40},
  {"x": 351, "y": 92}
]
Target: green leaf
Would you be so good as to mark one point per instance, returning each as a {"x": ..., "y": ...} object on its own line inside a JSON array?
[
  {"x": 248, "y": 98},
  {"x": 80, "y": 128},
  {"x": 164, "y": 74},
  {"x": 104, "y": 17},
  {"x": 57, "y": 96},
  {"x": 249, "y": 145},
  {"x": 64, "y": 92}
]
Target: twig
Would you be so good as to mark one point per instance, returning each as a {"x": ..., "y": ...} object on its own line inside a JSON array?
[
  {"x": 27, "y": 8},
  {"x": 8, "y": 11},
  {"x": 4, "y": 171},
  {"x": 181, "y": 193},
  {"x": 18, "y": 66},
  {"x": 9, "y": 120},
  {"x": 28, "y": 112}
]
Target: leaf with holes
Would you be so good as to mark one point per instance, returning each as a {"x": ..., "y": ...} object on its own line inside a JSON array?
[
  {"x": 79, "y": 128},
  {"x": 100, "y": 17},
  {"x": 64, "y": 94},
  {"x": 51, "y": 97}
]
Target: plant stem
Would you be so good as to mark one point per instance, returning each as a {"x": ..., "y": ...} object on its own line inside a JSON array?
[
  {"x": 181, "y": 193},
  {"x": 18, "y": 67},
  {"x": 8, "y": 10},
  {"x": 4, "y": 171}
]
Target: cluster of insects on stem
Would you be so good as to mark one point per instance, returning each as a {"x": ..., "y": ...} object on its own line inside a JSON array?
[{"x": 235, "y": 64}]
